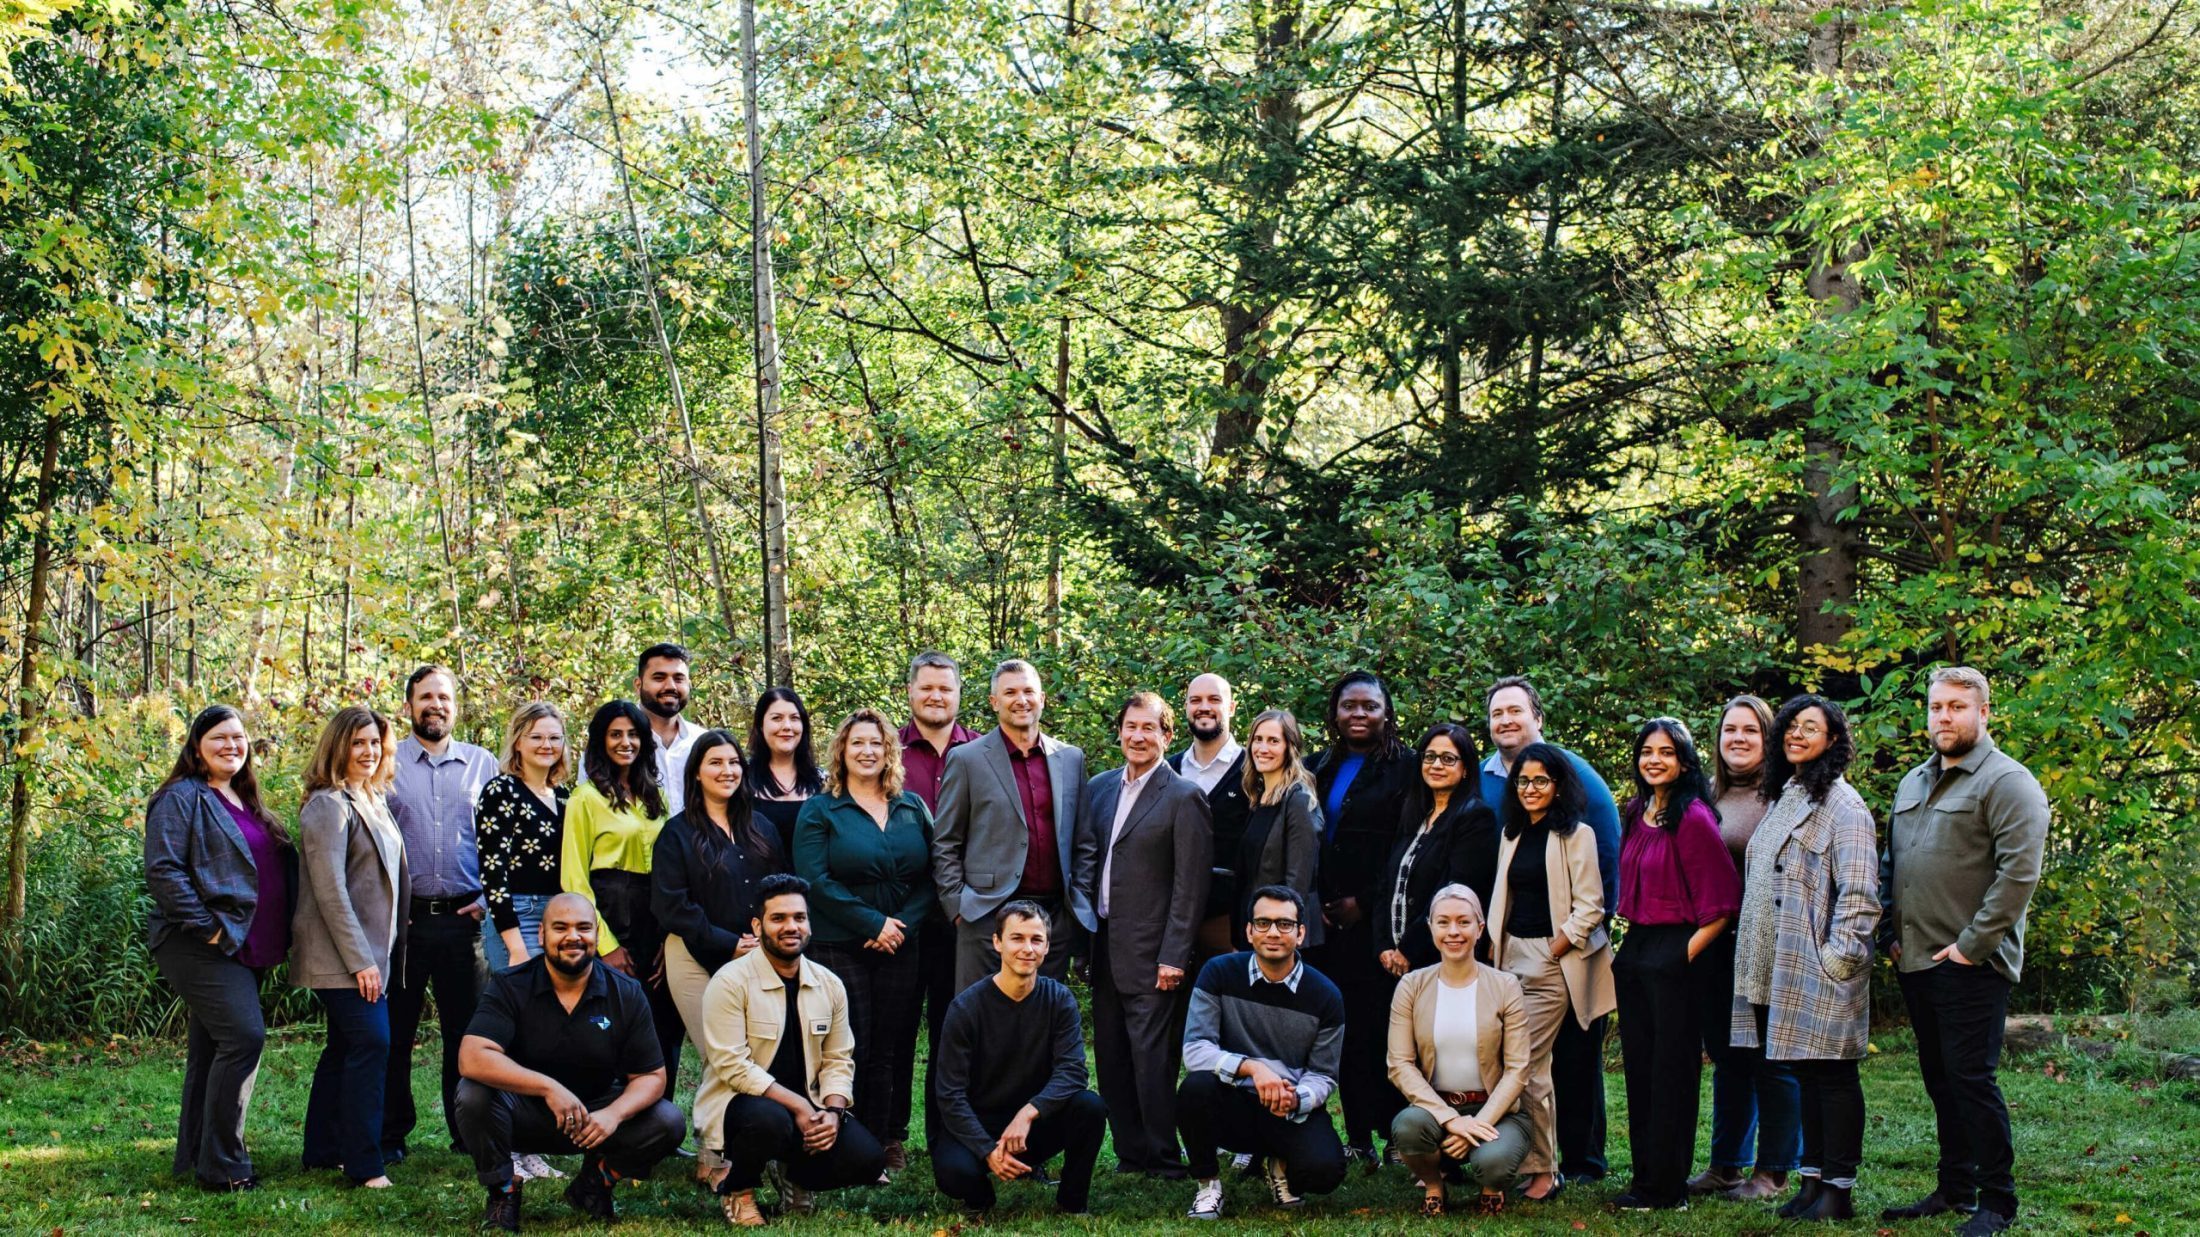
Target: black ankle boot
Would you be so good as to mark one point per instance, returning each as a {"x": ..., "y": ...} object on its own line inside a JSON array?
[
  {"x": 1833, "y": 1203},
  {"x": 1805, "y": 1195}
]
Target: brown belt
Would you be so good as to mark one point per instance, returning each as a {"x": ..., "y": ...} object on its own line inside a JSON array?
[{"x": 1464, "y": 1099}]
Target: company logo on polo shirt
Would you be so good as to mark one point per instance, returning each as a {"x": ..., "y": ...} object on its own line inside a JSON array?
[{"x": 602, "y": 1021}]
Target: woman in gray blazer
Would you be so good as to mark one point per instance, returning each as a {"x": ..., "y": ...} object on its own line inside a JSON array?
[
  {"x": 348, "y": 940},
  {"x": 220, "y": 869},
  {"x": 1283, "y": 831}
]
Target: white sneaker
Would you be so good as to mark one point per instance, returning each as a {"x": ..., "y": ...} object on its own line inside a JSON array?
[
  {"x": 1207, "y": 1204},
  {"x": 1241, "y": 1161},
  {"x": 533, "y": 1168},
  {"x": 1279, "y": 1185}
]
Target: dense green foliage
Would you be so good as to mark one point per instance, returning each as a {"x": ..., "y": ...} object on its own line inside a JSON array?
[{"x": 1662, "y": 351}]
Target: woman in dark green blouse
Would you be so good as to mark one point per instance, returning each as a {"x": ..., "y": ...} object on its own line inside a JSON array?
[{"x": 865, "y": 846}]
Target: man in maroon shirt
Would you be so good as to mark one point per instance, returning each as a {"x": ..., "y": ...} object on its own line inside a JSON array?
[
  {"x": 934, "y": 729},
  {"x": 1005, "y": 824}
]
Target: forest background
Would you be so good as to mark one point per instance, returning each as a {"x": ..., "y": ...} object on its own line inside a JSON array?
[{"x": 1663, "y": 349}]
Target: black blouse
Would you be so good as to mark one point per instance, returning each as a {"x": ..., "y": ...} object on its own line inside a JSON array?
[
  {"x": 1528, "y": 910},
  {"x": 702, "y": 886},
  {"x": 781, "y": 814},
  {"x": 519, "y": 839}
]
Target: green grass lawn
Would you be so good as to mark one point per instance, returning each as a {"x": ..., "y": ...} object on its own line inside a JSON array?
[{"x": 87, "y": 1135}]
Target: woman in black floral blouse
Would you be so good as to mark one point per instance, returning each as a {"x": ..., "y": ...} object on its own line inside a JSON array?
[{"x": 519, "y": 824}]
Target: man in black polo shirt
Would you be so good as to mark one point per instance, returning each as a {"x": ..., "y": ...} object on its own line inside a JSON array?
[{"x": 562, "y": 1057}]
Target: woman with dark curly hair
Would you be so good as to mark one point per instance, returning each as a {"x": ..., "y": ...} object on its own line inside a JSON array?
[{"x": 1803, "y": 951}]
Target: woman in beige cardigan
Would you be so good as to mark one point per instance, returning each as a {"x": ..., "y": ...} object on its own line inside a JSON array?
[
  {"x": 1547, "y": 928},
  {"x": 348, "y": 937},
  {"x": 1459, "y": 1053}
]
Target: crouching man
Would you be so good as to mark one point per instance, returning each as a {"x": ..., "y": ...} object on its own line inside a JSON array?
[
  {"x": 779, "y": 1063},
  {"x": 561, "y": 1058},
  {"x": 1009, "y": 1076}
]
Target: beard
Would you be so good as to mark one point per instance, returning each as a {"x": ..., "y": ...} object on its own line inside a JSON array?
[
  {"x": 771, "y": 946},
  {"x": 1957, "y": 745},
  {"x": 1207, "y": 732},
  {"x": 433, "y": 729},
  {"x": 668, "y": 712},
  {"x": 571, "y": 970}
]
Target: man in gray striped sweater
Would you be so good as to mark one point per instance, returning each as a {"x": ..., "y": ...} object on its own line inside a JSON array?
[{"x": 1262, "y": 1044}]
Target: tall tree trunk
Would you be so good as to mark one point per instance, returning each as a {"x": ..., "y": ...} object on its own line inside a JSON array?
[
  {"x": 771, "y": 485},
  {"x": 457, "y": 641},
  {"x": 1827, "y": 568},
  {"x": 647, "y": 270},
  {"x": 1254, "y": 297},
  {"x": 28, "y": 715}
]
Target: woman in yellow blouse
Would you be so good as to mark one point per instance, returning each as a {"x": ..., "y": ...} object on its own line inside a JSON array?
[{"x": 611, "y": 826}]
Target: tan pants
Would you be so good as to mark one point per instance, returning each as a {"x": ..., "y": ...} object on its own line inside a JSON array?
[
  {"x": 686, "y": 979},
  {"x": 1543, "y": 995}
]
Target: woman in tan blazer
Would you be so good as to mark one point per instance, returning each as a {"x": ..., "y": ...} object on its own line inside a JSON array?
[
  {"x": 348, "y": 937},
  {"x": 1459, "y": 1053},
  {"x": 1547, "y": 928}
]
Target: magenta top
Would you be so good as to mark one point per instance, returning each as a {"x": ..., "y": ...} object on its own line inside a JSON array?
[
  {"x": 267, "y": 941},
  {"x": 1676, "y": 876}
]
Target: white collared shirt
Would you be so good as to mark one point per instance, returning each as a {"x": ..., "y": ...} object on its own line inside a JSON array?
[
  {"x": 1208, "y": 776},
  {"x": 1125, "y": 799}
]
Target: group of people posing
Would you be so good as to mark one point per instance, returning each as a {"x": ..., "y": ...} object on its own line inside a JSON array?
[{"x": 1424, "y": 932}]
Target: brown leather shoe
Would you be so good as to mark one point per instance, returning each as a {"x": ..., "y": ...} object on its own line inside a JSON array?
[
  {"x": 1717, "y": 1179},
  {"x": 741, "y": 1210},
  {"x": 897, "y": 1156},
  {"x": 1759, "y": 1187}
]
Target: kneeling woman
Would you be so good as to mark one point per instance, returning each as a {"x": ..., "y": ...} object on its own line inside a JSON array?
[{"x": 1460, "y": 1048}]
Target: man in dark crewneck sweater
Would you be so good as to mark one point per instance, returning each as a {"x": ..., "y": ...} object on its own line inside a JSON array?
[
  {"x": 1028, "y": 1103},
  {"x": 1262, "y": 1046}
]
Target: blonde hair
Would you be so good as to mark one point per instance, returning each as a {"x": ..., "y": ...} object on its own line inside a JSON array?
[
  {"x": 1963, "y": 676},
  {"x": 331, "y": 762},
  {"x": 515, "y": 732},
  {"x": 836, "y": 756},
  {"x": 1456, "y": 892},
  {"x": 1293, "y": 772}
]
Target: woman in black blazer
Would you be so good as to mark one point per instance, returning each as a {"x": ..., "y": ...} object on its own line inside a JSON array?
[
  {"x": 1447, "y": 836},
  {"x": 222, "y": 874}
]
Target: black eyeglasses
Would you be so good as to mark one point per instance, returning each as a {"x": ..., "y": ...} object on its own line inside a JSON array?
[
  {"x": 1275, "y": 925},
  {"x": 1538, "y": 782},
  {"x": 1442, "y": 760}
]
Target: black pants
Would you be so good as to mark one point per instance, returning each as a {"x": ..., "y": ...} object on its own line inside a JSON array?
[
  {"x": 760, "y": 1130},
  {"x": 1833, "y": 1120},
  {"x": 1577, "y": 1090},
  {"x": 1363, "y": 1085},
  {"x": 884, "y": 991},
  {"x": 1958, "y": 1012},
  {"x": 936, "y": 961},
  {"x": 1662, "y": 1043},
  {"x": 443, "y": 951},
  {"x": 622, "y": 899},
  {"x": 1074, "y": 1133},
  {"x": 1137, "y": 1045},
  {"x": 496, "y": 1125},
  {"x": 226, "y": 1034},
  {"x": 1213, "y": 1114}
]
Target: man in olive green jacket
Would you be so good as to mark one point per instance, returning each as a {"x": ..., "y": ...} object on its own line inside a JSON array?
[{"x": 1963, "y": 855}]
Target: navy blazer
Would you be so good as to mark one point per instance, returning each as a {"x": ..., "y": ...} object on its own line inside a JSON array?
[{"x": 199, "y": 868}]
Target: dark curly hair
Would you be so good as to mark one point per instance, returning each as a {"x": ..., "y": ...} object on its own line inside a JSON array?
[
  {"x": 632, "y": 784},
  {"x": 1818, "y": 776},
  {"x": 1569, "y": 798},
  {"x": 1690, "y": 787},
  {"x": 1389, "y": 744}
]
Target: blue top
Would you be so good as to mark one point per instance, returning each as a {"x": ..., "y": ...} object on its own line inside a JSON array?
[
  {"x": 1347, "y": 769},
  {"x": 1601, "y": 814},
  {"x": 432, "y": 802}
]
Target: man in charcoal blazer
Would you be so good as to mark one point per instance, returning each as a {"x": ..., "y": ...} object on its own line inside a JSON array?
[
  {"x": 1006, "y": 826},
  {"x": 1144, "y": 847}
]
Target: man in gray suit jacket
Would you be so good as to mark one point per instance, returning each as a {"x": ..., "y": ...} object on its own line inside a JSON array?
[
  {"x": 1145, "y": 846},
  {"x": 1005, "y": 828}
]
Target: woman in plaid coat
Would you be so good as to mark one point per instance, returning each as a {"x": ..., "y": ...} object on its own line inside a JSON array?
[{"x": 1803, "y": 948}]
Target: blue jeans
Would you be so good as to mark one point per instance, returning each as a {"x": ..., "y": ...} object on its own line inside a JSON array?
[
  {"x": 1752, "y": 1099},
  {"x": 344, "y": 1110},
  {"x": 530, "y": 907}
]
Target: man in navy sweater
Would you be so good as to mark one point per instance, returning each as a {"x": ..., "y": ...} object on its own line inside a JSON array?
[
  {"x": 1262, "y": 1046},
  {"x": 1028, "y": 1102}
]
